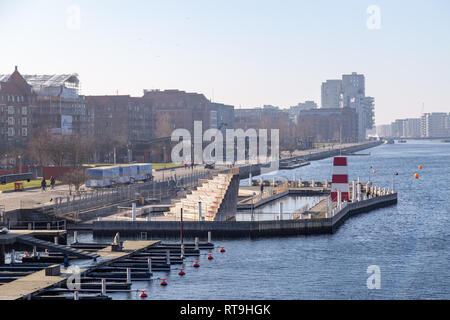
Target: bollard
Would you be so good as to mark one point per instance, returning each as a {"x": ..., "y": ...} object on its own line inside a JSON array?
[
  {"x": 209, "y": 236},
  {"x": 13, "y": 256},
  {"x": 103, "y": 292},
  {"x": 250, "y": 179},
  {"x": 182, "y": 251},
  {"x": 339, "y": 197},
  {"x": 353, "y": 191},
  {"x": 133, "y": 211},
  {"x": 56, "y": 239},
  {"x": 149, "y": 264},
  {"x": 75, "y": 295},
  {"x": 128, "y": 275},
  {"x": 148, "y": 218},
  {"x": 199, "y": 211},
  {"x": 34, "y": 251},
  {"x": 168, "y": 256},
  {"x": 75, "y": 237},
  {"x": 280, "y": 211},
  {"x": 196, "y": 243},
  {"x": 99, "y": 219}
]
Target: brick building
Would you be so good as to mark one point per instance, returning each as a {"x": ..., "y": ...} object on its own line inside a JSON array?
[
  {"x": 17, "y": 99},
  {"x": 328, "y": 125}
]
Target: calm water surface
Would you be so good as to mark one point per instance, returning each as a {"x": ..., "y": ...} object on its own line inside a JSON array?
[{"x": 409, "y": 242}]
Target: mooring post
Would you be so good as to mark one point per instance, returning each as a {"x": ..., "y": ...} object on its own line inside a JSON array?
[
  {"x": 133, "y": 211},
  {"x": 2, "y": 255},
  {"x": 196, "y": 243},
  {"x": 75, "y": 295},
  {"x": 34, "y": 251},
  {"x": 128, "y": 275},
  {"x": 199, "y": 211},
  {"x": 103, "y": 292},
  {"x": 75, "y": 236},
  {"x": 209, "y": 236},
  {"x": 182, "y": 251},
  {"x": 55, "y": 239},
  {"x": 149, "y": 264},
  {"x": 168, "y": 256},
  {"x": 13, "y": 256},
  {"x": 353, "y": 191},
  {"x": 181, "y": 226},
  {"x": 280, "y": 211}
]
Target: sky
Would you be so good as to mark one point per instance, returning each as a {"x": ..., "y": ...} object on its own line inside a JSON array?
[{"x": 246, "y": 53}]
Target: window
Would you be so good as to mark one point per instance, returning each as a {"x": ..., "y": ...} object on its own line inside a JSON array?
[
  {"x": 10, "y": 109},
  {"x": 24, "y": 121},
  {"x": 11, "y": 121},
  {"x": 24, "y": 132},
  {"x": 24, "y": 110},
  {"x": 10, "y": 132}
]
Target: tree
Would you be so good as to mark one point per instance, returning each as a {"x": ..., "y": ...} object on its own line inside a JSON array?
[{"x": 75, "y": 178}]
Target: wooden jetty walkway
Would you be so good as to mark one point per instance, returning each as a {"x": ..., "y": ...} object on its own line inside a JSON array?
[{"x": 39, "y": 281}]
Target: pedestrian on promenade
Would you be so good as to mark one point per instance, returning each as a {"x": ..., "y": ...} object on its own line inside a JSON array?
[
  {"x": 43, "y": 184},
  {"x": 192, "y": 165},
  {"x": 185, "y": 166},
  {"x": 52, "y": 182}
]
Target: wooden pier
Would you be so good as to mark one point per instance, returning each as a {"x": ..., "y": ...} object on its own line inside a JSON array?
[{"x": 36, "y": 282}]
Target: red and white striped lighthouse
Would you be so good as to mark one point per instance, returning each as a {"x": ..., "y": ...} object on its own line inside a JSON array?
[{"x": 339, "y": 180}]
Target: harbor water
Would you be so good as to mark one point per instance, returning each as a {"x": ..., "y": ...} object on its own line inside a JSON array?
[{"x": 409, "y": 242}]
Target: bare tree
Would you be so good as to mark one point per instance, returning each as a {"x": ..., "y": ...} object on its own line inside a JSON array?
[{"x": 74, "y": 178}]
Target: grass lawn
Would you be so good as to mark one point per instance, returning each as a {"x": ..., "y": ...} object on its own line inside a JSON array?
[
  {"x": 31, "y": 184},
  {"x": 155, "y": 166}
]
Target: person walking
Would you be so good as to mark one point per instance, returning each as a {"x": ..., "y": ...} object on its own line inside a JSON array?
[
  {"x": 43, "y": 184},
  {"x": 52, "y": 182}
]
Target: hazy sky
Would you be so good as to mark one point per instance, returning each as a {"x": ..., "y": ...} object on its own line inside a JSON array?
[{"x": 245, "y": 53}]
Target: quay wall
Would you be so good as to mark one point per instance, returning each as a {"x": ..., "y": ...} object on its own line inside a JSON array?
[{"x": 241, "y": 229}]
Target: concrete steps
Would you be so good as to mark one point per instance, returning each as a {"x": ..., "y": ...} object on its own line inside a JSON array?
[{"x": 210, "y": 193}]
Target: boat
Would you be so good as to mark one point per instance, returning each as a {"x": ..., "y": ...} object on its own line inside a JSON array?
[
  {"x": 402, "y": 141},
  {"x": 445, "y": 140},
  {"x": 389, "y": 141}
]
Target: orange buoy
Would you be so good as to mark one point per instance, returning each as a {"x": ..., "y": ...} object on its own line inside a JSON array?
[
  {"x": 210, "y": 257},
  {"x": 163, "y": 282},
  {"x": 374, "y": 171},
  {"x": 196, "y": 264},
  {"x": 143, "y": 294},
  {"x": 181, "y": 273},
  {"x": 420, "y": 166},
  {"x": 222, "y": 249},
  {"x": 416, "y": 175}
]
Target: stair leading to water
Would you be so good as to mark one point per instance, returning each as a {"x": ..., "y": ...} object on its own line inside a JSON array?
[{"x": 210, "y": 193}]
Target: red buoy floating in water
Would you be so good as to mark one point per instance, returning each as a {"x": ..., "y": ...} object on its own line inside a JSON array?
[
  {"x": 420, "y": 166},
  {"x": 222, "y": 249},
  {"x": 374, "y": 171},
  {"x": 163, "y": 282},
  {"x": 196, "y": 264},
  {"x": 143, "y": 294},
  {"x": 210, "y": 257},
  {"x": 181, "y": 273},
  {"x": 416, "y": 176}
]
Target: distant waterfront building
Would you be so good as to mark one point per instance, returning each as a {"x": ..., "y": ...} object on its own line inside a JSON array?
[
  {"x": 295, "y": 110},
  {"x": 17, "y": 100},
  {"x": 328, "y": 125},
  {"x": 331, "y": 94},
  {"x": 350, "y": 93},
  {"x": 434, "y": 124},
  {"x": 384, "y": 130},
  {"x": 411, "y": 128}
]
